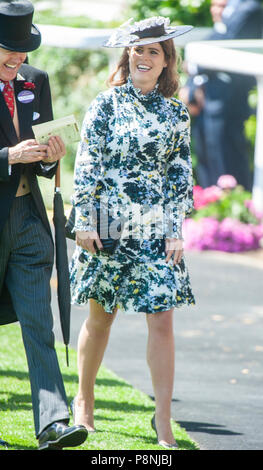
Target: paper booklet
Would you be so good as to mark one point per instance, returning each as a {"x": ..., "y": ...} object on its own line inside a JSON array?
[{"x": 66, "y": 128}]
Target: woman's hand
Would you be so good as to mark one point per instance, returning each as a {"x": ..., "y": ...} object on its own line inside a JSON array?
[
  {"x": 86, "y": 241},
  {"x": 174, "y": 247},
  {"x": 28, "y": 151},
  {"x": 55, "y": 150}
]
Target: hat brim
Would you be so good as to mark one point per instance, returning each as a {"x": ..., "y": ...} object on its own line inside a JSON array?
[
  {"x": 28, "y": 45},
  {"x": 176, "y": 31}
]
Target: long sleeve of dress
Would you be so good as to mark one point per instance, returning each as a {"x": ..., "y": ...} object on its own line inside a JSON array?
[
  {"x": 179, "y": 179},
  {"x": 88, "y": 165}
]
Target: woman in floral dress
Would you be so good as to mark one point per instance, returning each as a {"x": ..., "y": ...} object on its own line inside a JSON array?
[{"x": 134, "y": 159}]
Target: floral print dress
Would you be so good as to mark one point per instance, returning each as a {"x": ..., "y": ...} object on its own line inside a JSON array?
[{"x": 134, "y": 157}]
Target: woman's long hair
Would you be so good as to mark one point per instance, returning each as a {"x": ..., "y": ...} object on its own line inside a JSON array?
[{"x": 169, "y": 78}]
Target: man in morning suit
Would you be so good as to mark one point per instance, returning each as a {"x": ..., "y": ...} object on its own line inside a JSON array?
[{"x": 26, "y": 245}]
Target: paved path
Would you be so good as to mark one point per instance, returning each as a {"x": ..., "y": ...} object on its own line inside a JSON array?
[{"x": 219, "y": 352}]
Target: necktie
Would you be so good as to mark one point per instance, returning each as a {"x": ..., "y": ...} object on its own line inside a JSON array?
[{"x": 8, "y": 93}]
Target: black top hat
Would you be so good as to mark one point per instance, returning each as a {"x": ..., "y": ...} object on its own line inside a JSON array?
[{"x": 17, "y": 33}]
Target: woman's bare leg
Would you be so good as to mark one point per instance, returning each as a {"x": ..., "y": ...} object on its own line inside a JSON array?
[
  {"x": 160, "y": 358},
  {"x": 92, "y": 342}
]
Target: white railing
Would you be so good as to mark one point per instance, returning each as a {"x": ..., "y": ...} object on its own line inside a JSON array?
[{"x": 86, "y": 38}]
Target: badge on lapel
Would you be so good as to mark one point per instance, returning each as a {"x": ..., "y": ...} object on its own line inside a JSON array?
[{"x": 25, "y": 96}]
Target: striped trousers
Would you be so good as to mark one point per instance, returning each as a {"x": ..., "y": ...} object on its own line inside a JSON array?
[{"x": 26, "y": 261}]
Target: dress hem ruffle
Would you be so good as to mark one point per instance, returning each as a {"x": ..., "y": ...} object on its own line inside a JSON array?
[{"x": 134, "y": 312}]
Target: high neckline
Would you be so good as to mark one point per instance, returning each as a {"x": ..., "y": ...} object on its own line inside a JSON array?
[{"x": 138, "y": 92}]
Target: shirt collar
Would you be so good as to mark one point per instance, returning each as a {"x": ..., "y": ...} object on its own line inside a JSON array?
[{"x": 2, "y": 84}]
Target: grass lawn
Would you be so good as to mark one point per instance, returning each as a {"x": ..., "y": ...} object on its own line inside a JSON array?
[{"x": 122, "y": 413}]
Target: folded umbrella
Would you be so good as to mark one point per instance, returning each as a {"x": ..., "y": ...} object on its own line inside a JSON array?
[{"x": 63, "y": 284}]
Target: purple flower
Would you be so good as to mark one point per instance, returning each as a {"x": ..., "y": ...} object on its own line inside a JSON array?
[{"x": 229, "y": 235}]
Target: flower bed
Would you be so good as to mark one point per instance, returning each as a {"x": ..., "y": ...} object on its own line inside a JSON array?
[{"x": 224, "y": 219}]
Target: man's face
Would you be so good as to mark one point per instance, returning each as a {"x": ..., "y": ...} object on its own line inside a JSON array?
[
  {"x": 216, "y": 9},
  {"x": 10, "y": 62}
]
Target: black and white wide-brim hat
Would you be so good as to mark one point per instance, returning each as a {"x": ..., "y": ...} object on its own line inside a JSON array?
[
  {"x": 17, "y": 32},
  {"x": 155, "y": 29}
]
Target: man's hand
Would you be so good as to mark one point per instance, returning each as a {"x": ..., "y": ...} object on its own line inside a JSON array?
[
  {"x": 55, "y": 150},
  {"x": 28, "y": 151}
]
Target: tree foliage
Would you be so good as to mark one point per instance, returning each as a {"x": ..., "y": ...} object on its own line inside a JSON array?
[{"x": 195, "y": 12}]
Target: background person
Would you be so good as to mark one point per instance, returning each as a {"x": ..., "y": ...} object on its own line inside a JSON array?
[{"x": 218, "y": 101}]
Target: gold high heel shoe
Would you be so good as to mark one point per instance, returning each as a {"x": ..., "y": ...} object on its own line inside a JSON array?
[{"x": 162, "y": 443}]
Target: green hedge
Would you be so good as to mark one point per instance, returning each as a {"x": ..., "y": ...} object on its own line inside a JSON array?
[{"x": 196, "y": 12}]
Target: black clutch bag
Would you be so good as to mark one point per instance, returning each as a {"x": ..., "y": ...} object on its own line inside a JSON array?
[{"x": 105, "y": 225}]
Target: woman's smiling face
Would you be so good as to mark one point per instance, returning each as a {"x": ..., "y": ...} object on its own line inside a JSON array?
[
  {"x": 146, "y": 64},
  {"x": 10, "y": 62}
]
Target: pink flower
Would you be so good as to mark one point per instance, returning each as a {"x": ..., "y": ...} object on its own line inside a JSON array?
[
  {"x": 250, "y": 206},
  {"x": 212, "y": 194},
  {"x": 203, "y": 196},
  {"x": 226, "y": 182},
  {"x": 198, "y": 197}
]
